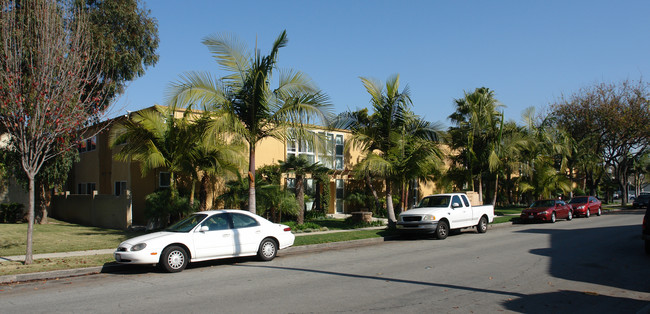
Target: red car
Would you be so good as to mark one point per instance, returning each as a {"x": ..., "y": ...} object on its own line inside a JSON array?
[
  {"x": 585, "y": 206},
  {"x": 547, "y": 210}
]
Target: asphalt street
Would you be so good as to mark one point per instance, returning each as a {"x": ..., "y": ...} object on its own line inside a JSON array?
[{"x": 594, "y": 265}]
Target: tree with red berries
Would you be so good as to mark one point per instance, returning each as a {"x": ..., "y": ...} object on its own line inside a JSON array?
[{"x": 47, "y": 94}]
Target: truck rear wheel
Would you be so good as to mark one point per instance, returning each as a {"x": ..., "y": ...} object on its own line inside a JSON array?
[
  {"x": 482, "y": 225},
  {"x": 443, "y": 230}
]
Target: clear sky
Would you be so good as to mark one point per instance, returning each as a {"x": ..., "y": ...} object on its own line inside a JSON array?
[{"x": 529, "y": 52}]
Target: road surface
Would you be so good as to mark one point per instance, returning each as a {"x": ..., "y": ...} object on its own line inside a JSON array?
[{"x": 588, "y": 265}]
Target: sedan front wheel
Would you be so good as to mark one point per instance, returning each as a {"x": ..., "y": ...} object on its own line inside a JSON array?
[{"x": 174, "y": 259}]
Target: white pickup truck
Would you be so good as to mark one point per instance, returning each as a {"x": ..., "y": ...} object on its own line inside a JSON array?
[{"x": 440, "y": 213}]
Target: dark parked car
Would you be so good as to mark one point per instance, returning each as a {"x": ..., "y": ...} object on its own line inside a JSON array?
[
  {"x": 641, "y": 201},
  {"x": 547, "y": 210},
  {"x": 646, "y": 230},
  {"x": 585, "y": 206}
]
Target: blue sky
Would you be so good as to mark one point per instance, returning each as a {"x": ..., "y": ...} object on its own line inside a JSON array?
[{"x": 529, "y": 52}]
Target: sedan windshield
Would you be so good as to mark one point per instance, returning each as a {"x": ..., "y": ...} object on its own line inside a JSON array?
[
  {"x": 435, "y": 201},
  {"x": 578, "y": 200},
  {"x": 186, "y": 224},
  {"x": 548, "y": 203}
]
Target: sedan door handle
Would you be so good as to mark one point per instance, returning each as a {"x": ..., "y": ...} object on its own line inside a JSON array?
[{"x": 227, "y": 235}]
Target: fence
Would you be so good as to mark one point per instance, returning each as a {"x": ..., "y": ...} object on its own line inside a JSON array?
[{"x": 105, "y": 211}]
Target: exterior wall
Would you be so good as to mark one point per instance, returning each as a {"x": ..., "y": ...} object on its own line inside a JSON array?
[{"x": 105, "y": 211}]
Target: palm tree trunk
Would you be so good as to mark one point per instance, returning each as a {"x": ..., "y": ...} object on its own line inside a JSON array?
[
  {"x": 389, "y": 206},
  {"x": 480, "y": 188},
  {"x": 372, "y": 189},
  {"x": 251, "y": 179},
  {"x": 300, "y": 191},
  {"x": 496, "y": 189}
]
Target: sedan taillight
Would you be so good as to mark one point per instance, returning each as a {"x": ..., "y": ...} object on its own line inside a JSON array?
[{"x": 287, "y": 229}]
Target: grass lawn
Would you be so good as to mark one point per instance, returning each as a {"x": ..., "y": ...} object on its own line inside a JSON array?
[{"x": 59, "y": 236}]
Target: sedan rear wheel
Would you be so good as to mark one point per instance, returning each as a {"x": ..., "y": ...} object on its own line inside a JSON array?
[
  {"x": 268, "y": 249},
  {"x": 174, "y": 259},
  {"x": 599, "y": 211}
]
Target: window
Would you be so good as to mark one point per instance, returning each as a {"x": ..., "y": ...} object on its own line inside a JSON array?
[
  {"x": 86, "y": 188},
  {"x": 456, "y": 200},
  {"x": 331, "y": 155},
  {"x": 217, "y": 222},
  {"x": 291, "y": 183},
  {"x": 338, "y": 161},
  {"x": 465, "y": 200},
  {"x": 88, "y": 145},
  {"x": 120, "y": 187},
  {"x": 164, "y": 179},
  {"x": 243, "y": 221},
  {"x": 339, "y": 195}
]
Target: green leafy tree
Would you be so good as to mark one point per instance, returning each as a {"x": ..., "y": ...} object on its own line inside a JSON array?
[
  {"x": 126, "y": 36},
  {"x": 46, "y": 92},
  {"x": 244, "y": 101}
]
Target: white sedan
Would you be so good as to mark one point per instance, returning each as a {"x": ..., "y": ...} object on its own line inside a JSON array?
[{"x": 204, "y": 236}]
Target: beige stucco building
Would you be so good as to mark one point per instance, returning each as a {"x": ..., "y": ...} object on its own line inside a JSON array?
[{"x": 99, "y": 171}]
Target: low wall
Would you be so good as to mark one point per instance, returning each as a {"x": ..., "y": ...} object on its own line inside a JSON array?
[{"x": 105, "y": 211}]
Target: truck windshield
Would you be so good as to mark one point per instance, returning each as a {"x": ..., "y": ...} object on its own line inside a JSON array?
[{"x": 435, "y": 201}]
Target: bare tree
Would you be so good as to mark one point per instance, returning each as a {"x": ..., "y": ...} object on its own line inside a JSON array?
[{"x": 46, "y": 94}]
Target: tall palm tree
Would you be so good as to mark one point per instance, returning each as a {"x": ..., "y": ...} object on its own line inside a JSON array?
[
  {"x": 244, "y": 101},
  {"x": 477, "y": 126},
  {"x": 379, "y": 136}
]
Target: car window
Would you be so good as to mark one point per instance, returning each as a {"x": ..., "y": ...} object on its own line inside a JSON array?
[
  {"x": 456, "y": 199},
  {"x": 435, "y": 201},
  {"x": 217, "y": 222},
  {"x": 465, "y": 200},
  {"x": 243, "y": 221},
  {"x": 186, "y": 224},
  {"x": 543, "y": 203},
  {"x": 578, "y": 200}
]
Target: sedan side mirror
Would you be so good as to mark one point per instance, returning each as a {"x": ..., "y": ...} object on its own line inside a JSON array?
[{"x": 204, "y": 229}]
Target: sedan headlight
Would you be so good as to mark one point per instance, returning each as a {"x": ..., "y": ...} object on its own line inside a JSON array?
[
  {"x": 543, "y": 213},
  {"x": 429, "y": 218},
  {"x": 138, "y": 247},
  {"x": 581, "y": 207}
]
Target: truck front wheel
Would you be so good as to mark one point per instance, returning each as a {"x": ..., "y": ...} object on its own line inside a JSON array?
[
  {"x": 482, "y": 225},
  {"x": 443, "y": 230}
]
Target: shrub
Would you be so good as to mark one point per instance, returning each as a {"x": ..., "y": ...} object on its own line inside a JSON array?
[
  {"x": 161, "y": 209},
  {"x": 12, "y": 213}
]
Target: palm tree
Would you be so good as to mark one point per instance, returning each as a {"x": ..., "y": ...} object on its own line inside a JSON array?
[
  {"x": 379, "y": 136},
  {"x": 244, "y": 102},
  {"x": 157, "y": 139},
  {"x": 300, "y": 166},
  {"x": 477, "y": 126},
  {"x": 419, "y": 155},
  {"x": 505, "y": 159}
]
